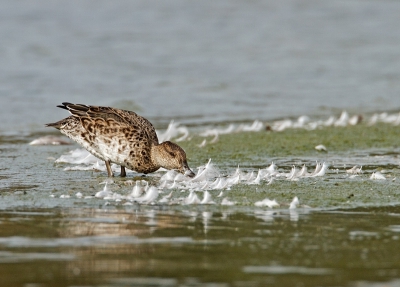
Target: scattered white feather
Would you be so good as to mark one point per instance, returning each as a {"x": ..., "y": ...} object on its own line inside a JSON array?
[
  {"x": 166, "y": 198},
  {"x": 257, "y": 179},
  {"x": 150, "y": 196},
  {"x": 282, "y": 125},
  {"x": 137, "y": 190},
  {"x": 180, "y": 177},
  {"x": 373, "y": 120},
  {"x": 233, "y": 180},
  {"x": 203, "y": 143},
  {"x": 293, "y": 173},
  {"x": 302, "y": 172},
  {"x": 322, "y": 171},
  {"x": 215, "y": 139},
  {"x": 321, "y": 147},
  {"x": 255, "y": 127},
  {"x": 163, "y": 184},
  {"x": 205, "y": 172},
  {"x": 77, "y": 156},
  {"x": 272, "y": 168},
  {"x": 396, "y": 122},
  {"x": 207, "y": 199},
  {"x": 266, "y": 202},
  {"x": 295, "y": 202},
  {"x": 329, "y": 122},
  {"x": 354, "y": 170},
  {"x": 318, "y": 168},
  {"x": 174, "y": 129},
  {"x": 354, "y": 120},
  {"x": 343, "y": 120},
  {"x": 50, "y": 140},
  {"x": 301, "y": 122},
  {"x": 192, "y": 198},
  {"x": 173, "y": 185},
  {"x": 106, "y": 192},
  {"x": 378, "y": 176},
  {"x": 169, "y": 175},
  {"x": 227, "y": 202},
  {"x": 248, "y": 177},
  {"x": 217, "y": 184}
]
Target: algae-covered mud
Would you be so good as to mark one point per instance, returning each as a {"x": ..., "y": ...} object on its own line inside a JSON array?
[{"x": 268, "y": 209}]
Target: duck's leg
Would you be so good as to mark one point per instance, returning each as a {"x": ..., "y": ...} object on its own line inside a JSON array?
[
  {"x": 123, "y": 172},
  {"x": 108, "y": 166}
]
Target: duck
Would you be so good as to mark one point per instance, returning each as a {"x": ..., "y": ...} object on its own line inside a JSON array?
[{"x": 121, "y": 137}]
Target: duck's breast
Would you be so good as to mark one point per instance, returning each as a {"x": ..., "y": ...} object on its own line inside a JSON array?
[{"x": 128, "y": 146}]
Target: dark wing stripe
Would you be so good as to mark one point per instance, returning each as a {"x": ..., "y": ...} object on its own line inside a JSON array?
[
  {"x": 77, "y": 109},
  {"x": 63, "y": 107}
]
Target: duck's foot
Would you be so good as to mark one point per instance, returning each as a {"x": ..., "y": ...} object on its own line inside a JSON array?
[
  {"x": 108, "y": 166},
  {"x": 123, "y": 172}
]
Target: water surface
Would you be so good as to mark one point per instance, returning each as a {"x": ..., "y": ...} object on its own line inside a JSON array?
[
  {"x": 201, "y": 246},
  {"x": 198, "y": 62}
]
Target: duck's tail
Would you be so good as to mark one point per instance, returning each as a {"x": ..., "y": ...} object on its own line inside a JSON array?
[
  {"x": 73, "y": 109},
  {"x": 56, "y": 125}
]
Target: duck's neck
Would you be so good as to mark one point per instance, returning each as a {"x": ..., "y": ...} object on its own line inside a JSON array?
[
  {"x": 161, "y": 157},
  {"x": 157, "y": 156}
]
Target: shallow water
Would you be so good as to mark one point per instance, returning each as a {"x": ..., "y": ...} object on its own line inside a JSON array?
[
  {"x": 199, "y": 246},
  {"x": 206, "y": 65}
]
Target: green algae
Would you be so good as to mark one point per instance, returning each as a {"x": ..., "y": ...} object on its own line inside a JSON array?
[
  {"x": 376, "y": 147},
  {"x": 264, "y": 145},
  {"x": 254, "y": 150}
]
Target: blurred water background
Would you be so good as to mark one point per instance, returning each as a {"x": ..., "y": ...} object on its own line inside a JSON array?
[{"x": 202, "y": 61}]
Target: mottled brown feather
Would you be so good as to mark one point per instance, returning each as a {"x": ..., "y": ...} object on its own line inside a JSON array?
[{"x": 120, "y": 136}]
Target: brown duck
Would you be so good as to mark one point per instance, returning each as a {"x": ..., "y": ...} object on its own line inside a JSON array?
[{"x": 121, "y": 137}]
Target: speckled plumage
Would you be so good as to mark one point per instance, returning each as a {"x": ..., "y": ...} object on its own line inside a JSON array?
[{"x": 121, "y": 137}]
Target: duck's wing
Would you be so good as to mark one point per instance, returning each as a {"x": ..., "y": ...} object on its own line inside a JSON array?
[{"x": 121, "y": 118}]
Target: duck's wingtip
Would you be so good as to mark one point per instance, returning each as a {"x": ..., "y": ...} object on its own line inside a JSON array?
[
  {"x": 67, "y": 103},
  {"x": 64, "y": 105},
  {"x": 53, "y": 125}
]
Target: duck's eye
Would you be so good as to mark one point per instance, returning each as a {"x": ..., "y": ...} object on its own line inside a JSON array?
[{"x": 172, "y": 154}]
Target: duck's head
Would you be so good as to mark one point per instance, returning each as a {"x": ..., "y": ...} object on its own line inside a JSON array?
[{"x": 171, "y": 156}]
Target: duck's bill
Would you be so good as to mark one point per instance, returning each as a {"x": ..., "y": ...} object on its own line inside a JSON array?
[{"x": 189, "y": 173}]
